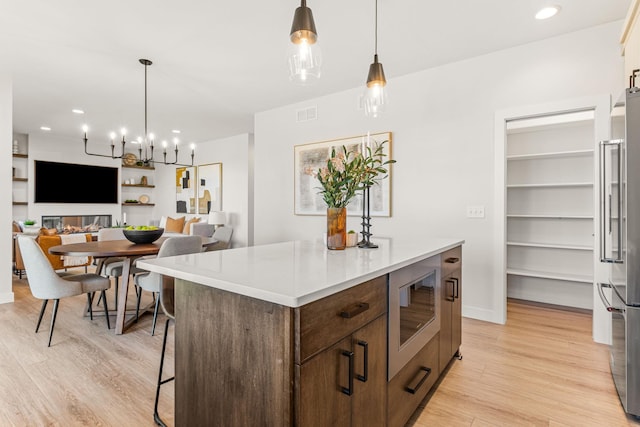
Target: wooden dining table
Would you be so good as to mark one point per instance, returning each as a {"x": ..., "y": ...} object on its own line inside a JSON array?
[{"x": 118, "y": 248}]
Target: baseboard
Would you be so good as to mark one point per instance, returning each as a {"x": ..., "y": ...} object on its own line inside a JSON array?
[
  {"x": 479, "y": 314},
  {"x": 6, "y": 297}
]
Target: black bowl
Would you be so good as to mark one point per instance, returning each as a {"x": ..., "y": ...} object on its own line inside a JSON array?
[{"x": 143, "y": 236}]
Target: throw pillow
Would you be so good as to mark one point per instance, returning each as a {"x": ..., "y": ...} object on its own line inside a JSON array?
[
  {"x": 187, "y": 225},
  {"x": 174, "y": 225}
]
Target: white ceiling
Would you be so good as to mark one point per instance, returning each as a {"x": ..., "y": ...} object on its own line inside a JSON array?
[{"x": 217, "y": 63}]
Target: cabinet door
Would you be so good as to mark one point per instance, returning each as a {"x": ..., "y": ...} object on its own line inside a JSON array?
[
  {"x": 322, "y": 383},
  {"x": 446, "y": 326},
  {"x": 369, "y": 399},
  {"x": 456, "y": 313}
]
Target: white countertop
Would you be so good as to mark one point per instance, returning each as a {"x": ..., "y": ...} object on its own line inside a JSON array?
[{"x": 296, "y": 273}]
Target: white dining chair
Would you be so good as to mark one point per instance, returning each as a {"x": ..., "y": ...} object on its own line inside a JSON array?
[{"x": 46, "y": 284}]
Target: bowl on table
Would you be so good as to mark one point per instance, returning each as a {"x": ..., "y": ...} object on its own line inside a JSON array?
[{"x": 143, "y": 236}]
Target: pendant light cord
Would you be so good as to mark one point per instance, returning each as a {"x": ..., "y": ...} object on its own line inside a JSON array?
[
  {"x": 376, "y": 26},
  {"x": 145, "y": 102}
]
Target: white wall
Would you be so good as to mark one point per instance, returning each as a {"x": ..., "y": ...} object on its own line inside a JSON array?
[
  {"x": 236, "y": 155},
  {"x": 6, "y": 129},
  {"x": 442, "y": 123}
]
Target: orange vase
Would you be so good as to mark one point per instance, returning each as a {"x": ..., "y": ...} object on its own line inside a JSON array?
[{"x": 336, "y": 228}]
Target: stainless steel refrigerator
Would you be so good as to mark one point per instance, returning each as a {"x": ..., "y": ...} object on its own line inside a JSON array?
[{"x": 620, "y": 244}]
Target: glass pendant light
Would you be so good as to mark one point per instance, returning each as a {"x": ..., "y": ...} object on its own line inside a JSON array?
[
  {"x": 375, "y": 97},
  {"x": 305, "y": 58}
]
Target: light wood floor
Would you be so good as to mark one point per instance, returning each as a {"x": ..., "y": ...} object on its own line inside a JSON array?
[{"x": 541, "y": 369}]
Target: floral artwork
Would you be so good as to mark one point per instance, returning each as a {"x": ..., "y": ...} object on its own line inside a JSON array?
[{"x": 311, "y": 159}]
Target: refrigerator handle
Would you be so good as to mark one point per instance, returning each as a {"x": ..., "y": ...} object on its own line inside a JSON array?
[
  {"x": 604, "y": 209},
  {"x": 603, "y": 298}
]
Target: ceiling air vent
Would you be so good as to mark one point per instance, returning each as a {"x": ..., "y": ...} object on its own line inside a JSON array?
[{"x": 306, "y": 114}]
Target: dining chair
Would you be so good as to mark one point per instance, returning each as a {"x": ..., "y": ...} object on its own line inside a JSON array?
[
  {"x": 152, "y": 282},
  {"x": 223, "y": 236},
  {"x": 46, "y": 284},
  {"x": 113, "y": 266}
]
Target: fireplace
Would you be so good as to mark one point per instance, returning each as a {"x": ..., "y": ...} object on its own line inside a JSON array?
[{"x": 76, "y": 223}]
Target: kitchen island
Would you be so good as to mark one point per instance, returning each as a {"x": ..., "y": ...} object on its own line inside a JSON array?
[{"x": 288, "y": 333}]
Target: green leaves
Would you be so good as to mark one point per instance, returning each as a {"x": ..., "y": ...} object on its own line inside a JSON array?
[{"x": 347, "y": 172}]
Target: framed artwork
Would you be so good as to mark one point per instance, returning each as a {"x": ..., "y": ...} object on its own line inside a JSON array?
[
  {"x": 209, "y": 188},
  {"x": 186, "y": 190},
  {"x": 313, "y": 156}
]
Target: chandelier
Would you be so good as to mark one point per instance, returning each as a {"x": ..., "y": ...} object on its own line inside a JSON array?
[{"x": 145, "y": 145}]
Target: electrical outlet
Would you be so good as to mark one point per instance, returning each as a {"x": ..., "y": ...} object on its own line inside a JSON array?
[{"x": 475, "y": 211}]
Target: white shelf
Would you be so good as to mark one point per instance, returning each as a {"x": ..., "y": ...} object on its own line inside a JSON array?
[
  {"x": 552, "y": 185},
  {"x": 550, "y": 275},
  {"x": 550, "y": 155},
  {"x": 551, "y": 246},
  {"x": 559, "y": 216}
]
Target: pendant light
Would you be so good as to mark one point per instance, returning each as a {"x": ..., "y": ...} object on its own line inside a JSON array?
[
  {"x": 305, "y": 58},
  {"x": 375, "y": 97},
  {"x": 145, "y": 145}
]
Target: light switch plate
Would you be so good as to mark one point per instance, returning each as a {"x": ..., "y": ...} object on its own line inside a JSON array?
[{"x": 475, "y": 211}]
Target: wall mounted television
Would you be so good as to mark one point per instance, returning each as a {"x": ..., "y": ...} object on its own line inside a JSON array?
[{"x": 74, "y": 183}]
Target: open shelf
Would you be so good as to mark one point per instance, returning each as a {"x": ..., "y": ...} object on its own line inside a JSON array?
[
  {"x": 550, "y": 155},
  {"x": 138, "y": 204},
  {"x": 557, "y": 216},
  {"x": 138, "y": 185},
  {"x": 581, "y": 278},
  {"x": 551, "y": 246},
  {"x": 19, "y": 179},
  {"x": 552, "y": 185},
  {"x": 139, "y": 167},
  {"x": 20, "y": 156},
  {"x": 20, "y": 203}
]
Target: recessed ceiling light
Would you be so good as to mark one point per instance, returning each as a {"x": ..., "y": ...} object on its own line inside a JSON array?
[
  {"x": 547, "y": 12},
  {"x": 47, "y": 128},
  {"x": 175, "y": 131},
  {"x": 77, "y": 111}
]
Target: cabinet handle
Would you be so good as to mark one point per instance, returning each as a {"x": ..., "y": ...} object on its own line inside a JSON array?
[
  {"x": 348, "y": 390},
  {"x": 364, "y": 377},
  {"x": 354, "y": 309},
  {"x": 452, "y": 297},
  {"x": 427, "y": 372},
  {"x": 452, "y": 260},
  {"x": 456, "y": 293}
]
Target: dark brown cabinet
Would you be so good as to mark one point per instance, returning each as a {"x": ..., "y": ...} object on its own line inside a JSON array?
[
  {"x": 343, "y": 383},
  {"x": 451, "y": 308}
]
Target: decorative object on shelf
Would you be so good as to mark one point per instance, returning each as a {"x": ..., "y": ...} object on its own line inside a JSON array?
[
  {"x": 142, "y": 235},
  {"x": 143, "y": 199},
  {"x": 15, "y": 146},
  {"x": 129, "y": 159},
  {"x": 144, "y": 180},
  {"x": 209, "y": 188},
  {"x": 305, "y": 58},
  {"x": 145, "y": 145},
  {"x": 217, "y": 218},
  {"x": 374, "y": 164},
  {"x": 131, "y": 201},
  {"x": 185, "y": 190},
  {"x": 375, "y": 98},
  {"x": 308, "y": 158}
]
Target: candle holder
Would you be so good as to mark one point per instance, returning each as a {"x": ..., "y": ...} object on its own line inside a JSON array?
[{"x": 365, "y": 243}]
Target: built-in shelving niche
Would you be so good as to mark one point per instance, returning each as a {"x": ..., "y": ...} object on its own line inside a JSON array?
[{"x": 550, "y": 209}]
